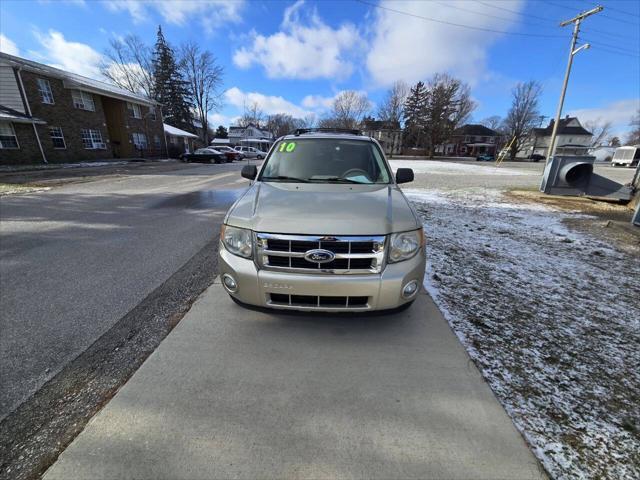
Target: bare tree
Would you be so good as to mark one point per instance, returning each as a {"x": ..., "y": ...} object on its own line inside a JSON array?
[
  {"x": 523, "y": 114},
  {"x": 129, "y": 65},
  {"x": 493, "y": 122},
  {"x": 253, "y": 115},
  {"x": 449, "y": 105},
  {"x": 391, "y": 109},
  {"x": 281, "y": 124},
  {"x": 347, "y": 111},
  {"x": 613, "y": 141},
  {"x": 600, "y": 129},
  {"x": 204, "y": 77},
  {"x": 633, "y": 138}
]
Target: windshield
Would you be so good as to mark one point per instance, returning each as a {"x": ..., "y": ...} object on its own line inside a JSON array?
[{"x": 325, "y": 160}]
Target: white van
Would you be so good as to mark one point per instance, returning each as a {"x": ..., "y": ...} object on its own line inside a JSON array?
[{"x": 628, "y": 156}]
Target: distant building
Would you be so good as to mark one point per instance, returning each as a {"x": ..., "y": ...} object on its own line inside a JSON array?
[
  {"x": 179, "y": 141},
  {"x": 50, "y": 115},
  {"x": 470, "y": 140},
  {"x": 571, "y": 139},
  {"x": 388, "y": 134},
  {"x": 250, "y": 136}
]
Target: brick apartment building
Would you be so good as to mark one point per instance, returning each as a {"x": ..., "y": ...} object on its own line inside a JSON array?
[{"x": 53, "y": 116}]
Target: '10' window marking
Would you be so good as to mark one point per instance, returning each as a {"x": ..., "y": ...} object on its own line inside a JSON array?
[{"x": 287, "y": 147}]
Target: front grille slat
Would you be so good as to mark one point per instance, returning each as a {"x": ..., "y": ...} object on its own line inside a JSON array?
[
  {"x": 315, "y": 301},
  {"x": 353, "y": 255}
]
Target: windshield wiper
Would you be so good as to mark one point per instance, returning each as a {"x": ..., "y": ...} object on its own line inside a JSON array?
[
  {"x": 284, "y": 177},
  {"x": 336, "y": 180}
]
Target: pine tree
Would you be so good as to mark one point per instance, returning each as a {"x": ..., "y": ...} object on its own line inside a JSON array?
[
  {"x": 415, "y": 115},
  {"x": 170, "y": 89}
]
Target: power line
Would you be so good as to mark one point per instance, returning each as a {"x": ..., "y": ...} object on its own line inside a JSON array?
[
  {"x": 470, "y": 27},
  {"x": 598, "y": 42},
  {"x": 616, "y": 52},
  {"x": 559, "y": 5},
  {"x": 613, "y": 9},
  {"x": 545, "y": 23},
  {"x": 548, "y": 19}
]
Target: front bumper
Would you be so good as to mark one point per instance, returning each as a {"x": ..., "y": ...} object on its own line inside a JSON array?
[{"x": 383, "y": 291}]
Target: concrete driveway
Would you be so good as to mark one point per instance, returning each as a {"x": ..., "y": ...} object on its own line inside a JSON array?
[{"x": 237, "y": 393}]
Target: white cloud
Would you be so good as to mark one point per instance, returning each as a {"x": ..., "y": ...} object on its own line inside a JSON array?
[
  {"x": 210, "y": 13},
  {"x": 409, "y": 48},
  {"x": 304, "y": 48},
  {"x": 8, "y": 46},
  {"x": 75, "y": 57},
  {"x": 269, "y": 104},
  {"x": 619, "y": 113},
  {"x": 317, "y": 102}
]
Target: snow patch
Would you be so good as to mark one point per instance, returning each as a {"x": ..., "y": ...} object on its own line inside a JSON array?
[
  {"x": 453, "y": 168},
  {"x": 552, "y": 319}
]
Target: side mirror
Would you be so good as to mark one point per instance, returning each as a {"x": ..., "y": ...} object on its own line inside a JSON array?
[
  {"x": 251, "y": 172},
  {"x": 404, "y": 175}
]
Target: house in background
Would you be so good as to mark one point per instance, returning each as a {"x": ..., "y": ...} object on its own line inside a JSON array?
[
  {"x": 179, "y": 141},
  {"x": 250, "y": 136},
  {"x": 572, "y": 139},
  {"x": 471, "y": 140},
  {"x": 50, "y": 115},
  {"x": 388, "y": 134}
]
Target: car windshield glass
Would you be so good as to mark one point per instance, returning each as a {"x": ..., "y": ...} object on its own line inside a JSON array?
[{"x": 326, "y": 160}]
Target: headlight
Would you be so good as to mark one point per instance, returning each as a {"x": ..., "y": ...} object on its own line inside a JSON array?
[
  {"x": 237, "y": 240},
  {"x": 405, "y": 245}
]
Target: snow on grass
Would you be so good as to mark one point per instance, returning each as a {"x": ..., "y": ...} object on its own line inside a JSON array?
[
  {"x": 551, "y": 317},
  {"x": 10, "y": 189},
  {"x": 454, "y": 168}
]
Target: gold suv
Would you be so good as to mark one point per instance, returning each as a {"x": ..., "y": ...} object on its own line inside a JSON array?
[{"x": 324, "y": 226}]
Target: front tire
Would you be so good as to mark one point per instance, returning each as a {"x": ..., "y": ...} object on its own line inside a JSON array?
[{"x": 259, "y": 157}]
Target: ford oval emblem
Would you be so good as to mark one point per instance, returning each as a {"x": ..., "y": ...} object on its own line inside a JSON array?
[{"x": 319, "y": 256}]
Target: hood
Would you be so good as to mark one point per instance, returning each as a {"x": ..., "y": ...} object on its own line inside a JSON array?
[{"x": 323, "y": 209}]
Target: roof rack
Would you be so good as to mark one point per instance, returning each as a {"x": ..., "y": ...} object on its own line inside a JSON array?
[{"x": 349, "y": 131}]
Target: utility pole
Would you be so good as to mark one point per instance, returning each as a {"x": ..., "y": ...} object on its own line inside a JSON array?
[{"x": 572, "y": 51}]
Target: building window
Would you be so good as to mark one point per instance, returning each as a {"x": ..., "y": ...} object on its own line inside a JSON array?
[
  {"x": 134, "y": 110},
  {"x": 156, "y": 141},
  {"x": 83, "y": 100},
  {"x": 92, "y": 139},
  {"x": 152, "y": 114},
  {"x": 57, "y": 138},
  {"x": 44, "y": 87},
  {"x": 139, "y": 140},
  {"x": 8, "y": 137}
]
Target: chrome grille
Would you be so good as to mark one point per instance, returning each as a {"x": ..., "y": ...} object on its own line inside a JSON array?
[{"x": 353, "y": 255}]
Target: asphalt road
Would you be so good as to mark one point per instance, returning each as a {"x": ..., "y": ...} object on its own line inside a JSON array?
[{"x": 76, "y": 259}]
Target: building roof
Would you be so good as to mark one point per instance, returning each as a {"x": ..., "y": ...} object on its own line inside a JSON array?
[
  {"x": 176, "y": 132},
  {"x": 10, "y": 115},
  {"x": 563, "y": 128},
  {"x": 73, "y": 80},
  {"x": 475, "y": 129}
]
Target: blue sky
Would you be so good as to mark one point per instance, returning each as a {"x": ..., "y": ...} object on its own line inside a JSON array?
[{"x": 295, "y": 57}]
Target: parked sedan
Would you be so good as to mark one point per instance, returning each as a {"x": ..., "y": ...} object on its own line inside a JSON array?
[
  {"x": 484, "y": 157},
  {"x": 205, "y": 155},
  {"x": 230, "y": 153},
  {"x": 252, "y": 152}
]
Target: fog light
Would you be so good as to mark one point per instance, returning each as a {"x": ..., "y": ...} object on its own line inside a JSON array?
[
  {"x": 229, "y": 283},
  {"x": 410, "y": 289}
]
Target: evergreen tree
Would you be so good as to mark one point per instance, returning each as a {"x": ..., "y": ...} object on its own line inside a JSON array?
[
  {"x": 221, "y": 132},
  {"x": 415, "y": 116},
  {"x": 170, "y": 88}
]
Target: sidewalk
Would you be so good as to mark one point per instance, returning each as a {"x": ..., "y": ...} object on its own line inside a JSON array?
[{"x": 234, "y": 393}]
